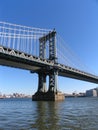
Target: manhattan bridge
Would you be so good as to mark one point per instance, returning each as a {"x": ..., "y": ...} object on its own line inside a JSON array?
[{"x": 44, "y": 52}]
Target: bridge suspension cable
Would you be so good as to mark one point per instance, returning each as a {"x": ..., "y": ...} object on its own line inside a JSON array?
[
  {"x": 67, "y": 57},
  {"x": 22, "y": 38},
  {"x": 26, "y": 39}
]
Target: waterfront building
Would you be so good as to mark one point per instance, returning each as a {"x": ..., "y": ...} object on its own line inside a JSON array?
[
  {"x": 96, "y": 90},
  {"x": 91, "y": 93}
]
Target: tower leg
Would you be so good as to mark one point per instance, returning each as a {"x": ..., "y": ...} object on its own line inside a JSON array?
[
  {"x": 41, "y": 87},
  {"x": 53, "y": 93},
  {"x": 53, "y": 82},
  {"x": 41, "y": 83}
]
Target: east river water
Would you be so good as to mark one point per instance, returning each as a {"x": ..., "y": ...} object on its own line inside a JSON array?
[{"x": 71, "y": 114}]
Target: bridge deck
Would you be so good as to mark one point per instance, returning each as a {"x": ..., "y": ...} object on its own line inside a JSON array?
[{"x": 13, "y": 58}]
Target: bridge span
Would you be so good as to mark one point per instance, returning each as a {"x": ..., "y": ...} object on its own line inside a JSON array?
[
  {"x": 17, "y": 59},
  {"x": 17, "y": 45}
]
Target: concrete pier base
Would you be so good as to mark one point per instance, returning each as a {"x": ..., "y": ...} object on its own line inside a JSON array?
[{"x": 48, "y": 96}]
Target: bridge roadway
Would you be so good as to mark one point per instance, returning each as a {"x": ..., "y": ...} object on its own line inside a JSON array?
[{"x": 13, "y": 58}]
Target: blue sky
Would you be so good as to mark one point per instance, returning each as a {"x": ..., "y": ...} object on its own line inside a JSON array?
[{"x": 75, "y": 20}]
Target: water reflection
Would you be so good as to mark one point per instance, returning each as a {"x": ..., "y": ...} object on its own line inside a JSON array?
[
  {"x": 47, "y": 116},
  {"x": 71, "y": 114}
]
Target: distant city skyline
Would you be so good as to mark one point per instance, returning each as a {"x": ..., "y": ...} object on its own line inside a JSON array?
[
  {"x": 76, "y": 21},
  {"x": 15, "y": 95}
]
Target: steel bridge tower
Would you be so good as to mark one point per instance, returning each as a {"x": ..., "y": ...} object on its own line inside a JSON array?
[{"x": 52, "y": 92}]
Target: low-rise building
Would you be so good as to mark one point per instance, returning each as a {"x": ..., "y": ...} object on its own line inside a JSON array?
[
  {"x": 96, "y": 90},
  {"x": 91, "y": 93}
]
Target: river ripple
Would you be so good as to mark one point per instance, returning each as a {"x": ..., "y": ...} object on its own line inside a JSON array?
[{"x": 71, "y": 114}]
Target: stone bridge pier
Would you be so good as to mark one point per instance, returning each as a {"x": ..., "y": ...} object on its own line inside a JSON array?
[{"x": 52, "y": 93}]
